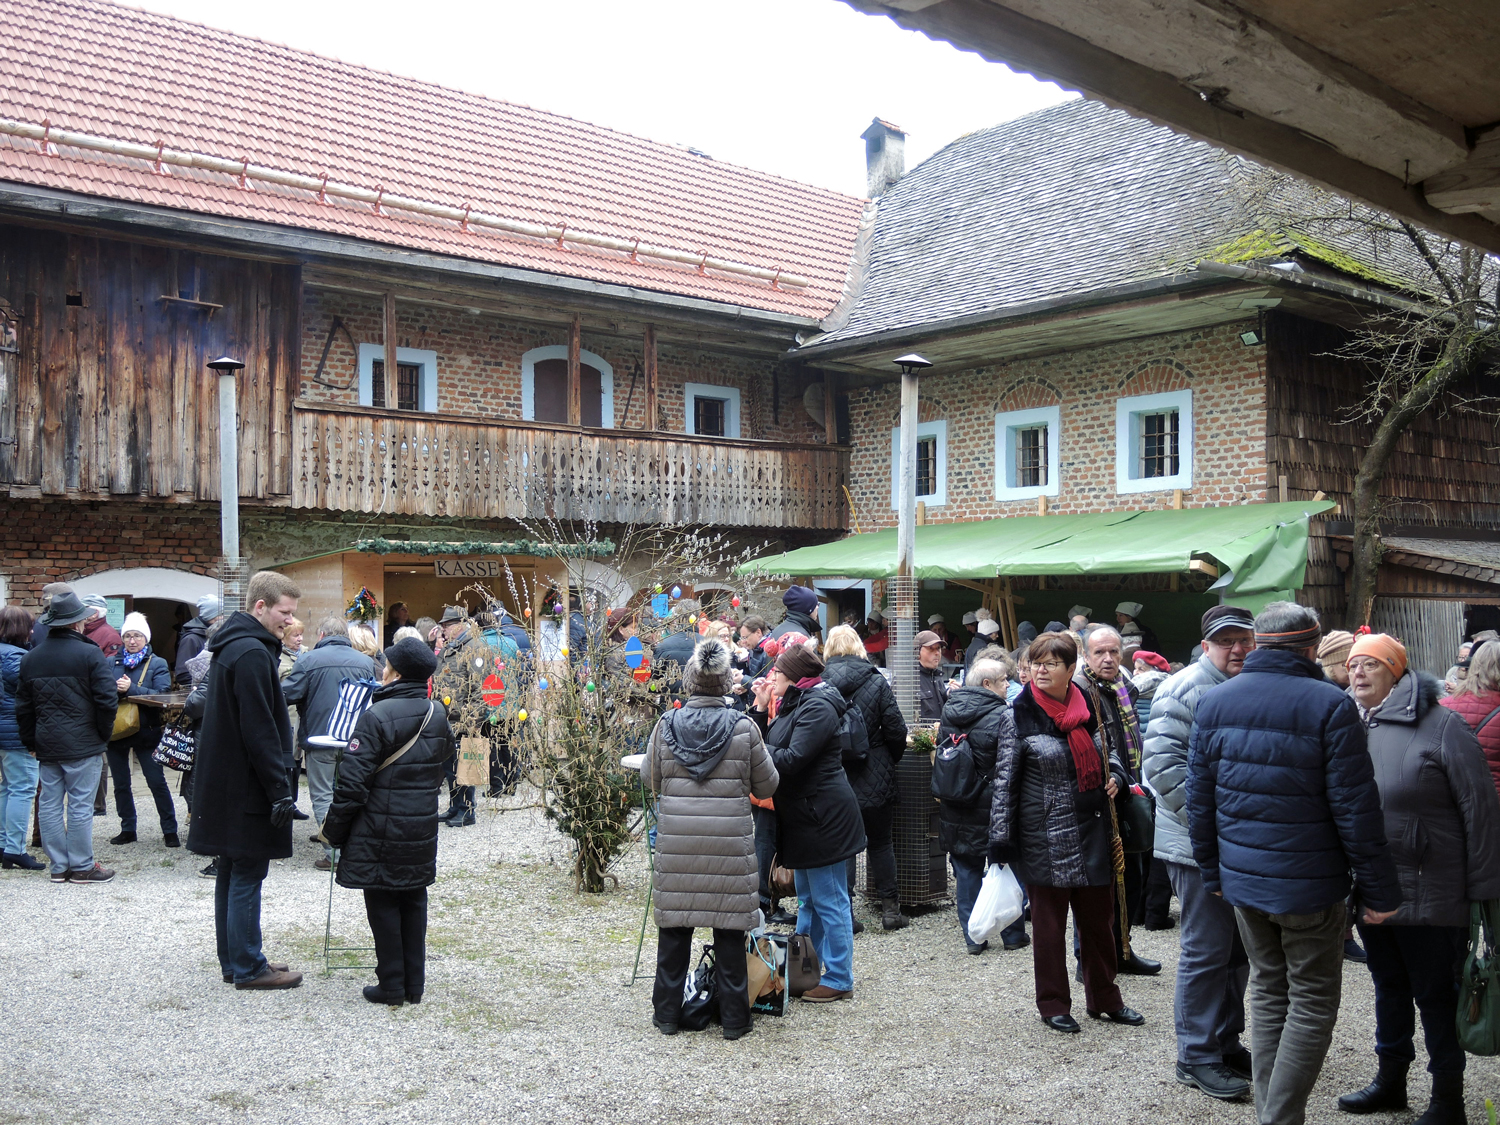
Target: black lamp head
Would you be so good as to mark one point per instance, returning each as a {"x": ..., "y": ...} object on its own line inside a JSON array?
[
  {"x": 225, "y": 365},
  {"x": 910, "y": 364}
]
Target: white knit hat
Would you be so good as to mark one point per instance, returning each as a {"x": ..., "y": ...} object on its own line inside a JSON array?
[{"x": 136, "y": 623}]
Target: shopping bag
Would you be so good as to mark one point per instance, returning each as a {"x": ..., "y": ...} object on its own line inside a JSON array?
[
  {"x": 355, "y": 697},
  {"x": 1479, "y": 987},
  {"x": 765, "y": 960},
  {"x": 177, "y": 748},
  {"x": 1000, "y": 903},
  {"x": 700, "y": 995},
  {"x": 473, "y": 761}
]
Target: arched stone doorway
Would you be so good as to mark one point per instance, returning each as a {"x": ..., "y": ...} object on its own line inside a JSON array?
[{"x": 166, "y": 597}]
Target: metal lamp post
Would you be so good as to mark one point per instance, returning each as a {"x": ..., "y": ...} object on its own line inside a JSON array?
[
  {"x": 231, "y": 566},
  {"x": 905, "y": 592}
]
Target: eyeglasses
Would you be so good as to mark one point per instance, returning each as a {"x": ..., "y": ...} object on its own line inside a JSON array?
[
  {"x": 1047, "y": 665},
  {"x": 1361, "y": 664},
  {"x": 1245, "y": 644}
]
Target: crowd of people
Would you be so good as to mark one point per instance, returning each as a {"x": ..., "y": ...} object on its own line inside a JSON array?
[{"x": 1291, "y": 780}]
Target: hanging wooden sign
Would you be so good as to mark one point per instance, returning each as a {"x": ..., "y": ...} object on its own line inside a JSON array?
[{"x": 467, "y": 568}]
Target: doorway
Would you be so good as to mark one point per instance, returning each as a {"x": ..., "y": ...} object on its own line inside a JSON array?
[{"x": 425, "y": 594}]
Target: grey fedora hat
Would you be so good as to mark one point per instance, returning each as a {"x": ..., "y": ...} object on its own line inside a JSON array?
[{"x": 66, "y": 609}]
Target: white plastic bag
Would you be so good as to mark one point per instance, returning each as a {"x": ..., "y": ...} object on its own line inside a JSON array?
[{"x": 999, "y": 904}]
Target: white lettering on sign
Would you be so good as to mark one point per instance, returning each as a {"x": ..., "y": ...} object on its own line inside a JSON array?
[{"x": 467, "y": 568}]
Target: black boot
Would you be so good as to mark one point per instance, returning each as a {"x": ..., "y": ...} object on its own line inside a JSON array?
[
  {"x": 890, "y": 915},
  {"x": 1388, "y": 1091},
  {"x": 1447, "y": 1105}
]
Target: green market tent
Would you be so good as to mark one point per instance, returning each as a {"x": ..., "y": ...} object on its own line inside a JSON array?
[{"x": 1263, "y": 545}]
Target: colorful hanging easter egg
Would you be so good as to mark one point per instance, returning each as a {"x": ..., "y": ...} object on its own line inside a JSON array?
[
  {"x": 677, "y": 591},
  {"x": 541, "y": 685},
  {"x": 735, "y": 602},
  {"x": 658, "y": 589},
  {"x": 447, "y": 702},
  {"x": 692, "y": 619},
  {"x": 557, "y": 609},
  {"x": 676, "y": 703},
  {"x": 528, "y": 611},
  {"x": 635, "y": 652},
  {"x": 589, "y": 686},
  {"x": 521, "y": 715}
]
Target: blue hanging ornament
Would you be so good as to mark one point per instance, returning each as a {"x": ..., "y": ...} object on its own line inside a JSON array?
[
  {"x": 677, "y": 591},
  {"x": 541, "y": 685}
]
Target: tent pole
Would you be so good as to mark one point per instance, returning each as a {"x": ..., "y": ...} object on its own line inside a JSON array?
[{"x": 903, "y": 652}]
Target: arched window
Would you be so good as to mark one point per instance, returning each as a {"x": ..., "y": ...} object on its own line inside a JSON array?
[{"x": 544, "y": 386}]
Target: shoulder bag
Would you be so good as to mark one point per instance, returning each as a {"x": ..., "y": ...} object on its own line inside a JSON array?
[
  {"x": 128, "y": 712},
  {"x": 177, "y": 748},
  {"x": 1479, "y": 987},
  {"x": 1137, "y": 816},
  {"x": 700, "y": 1001}
]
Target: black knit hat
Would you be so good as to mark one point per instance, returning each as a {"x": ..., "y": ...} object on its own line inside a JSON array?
[{"x": 412, "y": 659}]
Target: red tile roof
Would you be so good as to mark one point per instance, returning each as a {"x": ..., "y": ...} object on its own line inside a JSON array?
[{"x": 130, "y": 75}]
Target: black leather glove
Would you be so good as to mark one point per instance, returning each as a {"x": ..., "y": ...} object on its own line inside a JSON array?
[{"x": 281, "y": 812}]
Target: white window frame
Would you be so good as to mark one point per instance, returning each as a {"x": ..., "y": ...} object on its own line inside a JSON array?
[
  {"x": 530, "y": 359},
  {"x": 1127, "y": 441},
  {"x": 730, "y": 396},
  {"x": 427, "y": 394},
  {"x": 1006, "y": 424},
  {"x": 938, "y": 430}
]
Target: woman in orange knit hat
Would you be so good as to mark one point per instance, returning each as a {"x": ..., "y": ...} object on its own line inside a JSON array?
[{"x": 1442, "y": 823}]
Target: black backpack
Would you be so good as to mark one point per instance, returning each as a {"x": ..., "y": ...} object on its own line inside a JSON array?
[
  {"x": 954, "y": 777},
  {"x": 854, "y": 737}
]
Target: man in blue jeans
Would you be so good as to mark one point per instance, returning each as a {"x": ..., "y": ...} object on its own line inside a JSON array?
[
  {"x": 1212, "y": 968},
  {"x": 242, "y": 796},
  {"x": 65, "y": 712},
  {"x": 1282, "y": 806}
]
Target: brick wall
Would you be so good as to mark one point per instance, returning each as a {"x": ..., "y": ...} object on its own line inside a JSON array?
[
  {"x": 45, "y": 541},
  {"x": 1229, "y": 409},
  {"x": 479, "y": 366}
]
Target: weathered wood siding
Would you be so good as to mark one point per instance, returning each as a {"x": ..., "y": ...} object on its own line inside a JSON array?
[
  {"x": 365, "y": 460},
  {"x": 110, "y": 396},
  {"x": 1445, "y": 473}
]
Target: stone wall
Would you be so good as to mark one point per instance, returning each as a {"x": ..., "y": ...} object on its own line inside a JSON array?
[
  {"x": 1229, "y": 409},
  {"x": 479, "y": 366}
]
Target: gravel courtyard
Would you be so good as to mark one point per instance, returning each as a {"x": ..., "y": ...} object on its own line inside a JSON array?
[{"x": 115, "y": 1013}]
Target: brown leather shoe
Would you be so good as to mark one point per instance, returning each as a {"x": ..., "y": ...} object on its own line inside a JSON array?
[
  {"x": 322, "y": 864},
  {"x": 271, "y": 979},
  {"x": 274, "y": 966},
  {"x": 822, "y": 994}
]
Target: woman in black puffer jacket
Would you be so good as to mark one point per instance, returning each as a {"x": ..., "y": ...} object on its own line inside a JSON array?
[
  {"x": 817, "y": 817},
  {"x": 848, "y": 668},
  {"x": 384, "y": 817}
]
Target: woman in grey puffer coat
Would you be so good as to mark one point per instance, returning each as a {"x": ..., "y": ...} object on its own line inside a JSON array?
[
  {"x": 706, "y": 760},
  {"x": 1442, "y": 820}
]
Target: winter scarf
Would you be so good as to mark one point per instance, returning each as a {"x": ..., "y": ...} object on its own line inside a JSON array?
[
  {"x": 1071, "y": 716},
  {"x": 133, "y": 659},
  {"x": 1130, "y": 723}
]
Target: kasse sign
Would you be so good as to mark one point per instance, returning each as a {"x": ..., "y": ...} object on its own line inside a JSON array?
[{"x": 467, "y": 568}]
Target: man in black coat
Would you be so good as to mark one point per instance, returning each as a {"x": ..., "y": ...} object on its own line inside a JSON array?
[
  {"x": 313, "y": 686},
  {"x": 932, "y": 685},
  {"x": 384, "y": 817},
  {"x": 194, "y": 637},
  {"x": 242, "y": 796},
  {"x": 65, "y": 713},
  {"x": 801, "y": 613}
]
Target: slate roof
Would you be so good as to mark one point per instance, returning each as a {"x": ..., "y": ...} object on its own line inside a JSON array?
[
  {"x": 105, "y": 69},
  {"x": 1075, "y": 199}
]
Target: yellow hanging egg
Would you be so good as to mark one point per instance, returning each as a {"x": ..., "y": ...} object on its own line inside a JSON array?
[
  {"x": 447, "y": 701},
  {"x": 521, "y": 715}
]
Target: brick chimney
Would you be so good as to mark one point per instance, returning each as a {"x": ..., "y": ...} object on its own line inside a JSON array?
[{"x": 885, "y": 156}]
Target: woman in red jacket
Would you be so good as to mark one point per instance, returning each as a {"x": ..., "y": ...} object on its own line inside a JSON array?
[{"x": 1478, "y": 701}]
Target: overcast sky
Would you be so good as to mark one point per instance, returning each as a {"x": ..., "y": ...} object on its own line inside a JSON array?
[{"x": 784, "y": 86}]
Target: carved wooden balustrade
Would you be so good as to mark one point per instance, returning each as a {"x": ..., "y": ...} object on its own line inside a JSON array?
[{"x": 354, "y": 459}]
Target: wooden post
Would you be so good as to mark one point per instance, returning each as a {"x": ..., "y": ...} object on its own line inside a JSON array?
[
  {"x": 1177, "y": 499},
  {"x": 389, "y": 330},
  {"x": 830, "y": 415},
  {"x": 1041, "y": 505},
  {"x": 575, "y": 378},
  {"x": 1281, "y": 487},
  {"x": 921, "y": 513},
  {"x": 650, "y": 371}
]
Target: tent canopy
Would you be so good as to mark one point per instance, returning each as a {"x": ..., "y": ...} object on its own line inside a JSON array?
[{"x": 1264, "y": 545}]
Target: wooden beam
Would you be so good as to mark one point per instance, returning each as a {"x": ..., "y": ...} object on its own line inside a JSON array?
[
  {"x": 830, "y": 415},
  {"x": 388, "y": 329},
  {"x": 1281, "y": 487},
  {"x": 575, "y": 377},
  {"x": 1177, "y": 499},
  {"x": 921, "y": 513},
  {"x": 1006, "y": 36},
  {"x": 1203, "y": 566},
  {"x": 1473, "y": 185},
  {"x": 649, "y": 364}
]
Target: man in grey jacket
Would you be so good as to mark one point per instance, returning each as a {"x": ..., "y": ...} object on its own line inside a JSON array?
[
  {"x": 313, "y": 686},
  {"x": 1212, "y": 969}
]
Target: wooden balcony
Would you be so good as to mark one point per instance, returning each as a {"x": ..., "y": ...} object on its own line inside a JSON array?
[{"x": 364, "y": 460}]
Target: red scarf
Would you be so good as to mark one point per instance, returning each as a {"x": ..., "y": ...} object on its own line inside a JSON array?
[{"x": 1071, "y": 717}]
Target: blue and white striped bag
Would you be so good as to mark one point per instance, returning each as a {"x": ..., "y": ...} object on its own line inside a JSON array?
[{"x": 355, "y": 697}]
